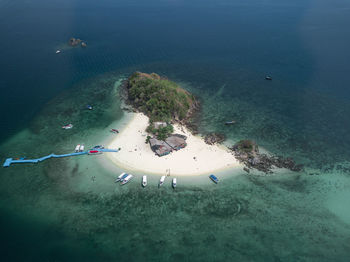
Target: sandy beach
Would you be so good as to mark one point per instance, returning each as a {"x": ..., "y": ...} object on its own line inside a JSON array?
[{"x": 197, "y": 158}]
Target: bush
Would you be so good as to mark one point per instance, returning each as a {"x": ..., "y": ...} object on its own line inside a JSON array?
[
  {"x": 163, "y": 132},
  {"x": 147, "y": 139}
]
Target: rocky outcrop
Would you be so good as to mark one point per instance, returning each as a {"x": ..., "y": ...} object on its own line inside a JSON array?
[
  {"x": 247, "y": 152},
  {"x": 214, "y": 138},
  {"x": 246, "y": 146},
  {"x": 74, "y": 41}
]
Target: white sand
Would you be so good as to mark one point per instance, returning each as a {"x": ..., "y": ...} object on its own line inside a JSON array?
[{"x": 135, "y": 154}]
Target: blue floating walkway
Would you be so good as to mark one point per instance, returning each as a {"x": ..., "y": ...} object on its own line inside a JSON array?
[{"x": 10, "y": 161}]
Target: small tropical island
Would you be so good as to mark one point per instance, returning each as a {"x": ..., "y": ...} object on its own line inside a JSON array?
[
  {"x": 165, "y": 103},
  {"x": 161, "y": 137}
]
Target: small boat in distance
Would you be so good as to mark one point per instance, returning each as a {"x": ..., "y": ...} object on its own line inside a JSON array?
[
  {"x": 161, "y": 181},
  {"x": 81, "y": 148},
  {"x": 173, "y": 184},
  {"x": 69, "y": 126},
  {"x": 268, "y": 78},
  {"x": 58, "y": 51},
  {"x": 230, "y": 122},
  {"x": 77, "y": 148},
  {"x": 94, "y": 152},
  {"x": 127, "y": 179},
  {"x": 115, "y": 131},
  {"x": 121, "y": 177},
  {"x": 214, "y": 178},
  {"x": 144, "y": 181},
  {"x": 89, "y": 107},
  {"x": 98, "y": 147}
]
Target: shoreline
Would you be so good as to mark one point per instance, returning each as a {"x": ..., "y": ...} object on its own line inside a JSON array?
[{"x": 136, "y": 156}]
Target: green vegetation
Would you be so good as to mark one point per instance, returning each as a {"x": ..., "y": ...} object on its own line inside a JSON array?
[
  {"x": 163, "y": 132},
  {"x": 147, "y": 139},
  {"x": 160, "y": 99},
  {"x": 246, "y": 146}
]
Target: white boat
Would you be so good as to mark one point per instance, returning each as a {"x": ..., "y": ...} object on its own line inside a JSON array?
[
  {"x": 69, "y": 126},
  {"x": 174, "y": 183},
  {"x": 127, "y": 179},
  {"x": 58, "y": 51},
  {"x": 81, "y": 148},
  {"x": 77, "y": 148},
  {"x": 121, "y": 177},
  {"x": 230, "y": 122},
  {"x": 161, "y": 181},
  {"x": 144, "y": 181}
]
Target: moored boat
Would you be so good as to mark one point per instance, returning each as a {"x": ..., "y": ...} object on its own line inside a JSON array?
[
  {"x": 230, "y": 122},
  {"x": 127, "y": 179},
  {"x": 94, "y": 152},
  {"x": 77, "y": 148},
  {"x": 81, "y": 148},
  {"x": 58, "y": 51},
  {"x": 214, "y": 178},
  {"x": 89, "y": 107},
  {"x": 115, "y": 131},
  {"x": 144, "y": 181},
  {"x": 69, "y": 126},
  {"x": 121, "y": 177},
  {"x": 173, "y": 183},
  {"x": 268, "y": 77},
  {"x": 161, "y": 181}
]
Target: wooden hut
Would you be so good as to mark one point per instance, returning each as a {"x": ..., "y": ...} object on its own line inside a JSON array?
[
  {"x": 176, "y": 142},
  {"x": 160, "y": 147},
  {"x": 181, "y": 136}
]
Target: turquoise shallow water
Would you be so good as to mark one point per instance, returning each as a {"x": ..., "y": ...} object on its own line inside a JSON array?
[
  {"x": 62, "y": 214},
  {"x": 56, "y": 211}
]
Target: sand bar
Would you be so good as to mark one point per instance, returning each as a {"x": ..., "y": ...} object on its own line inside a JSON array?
[{"x": 135, "y": 154}]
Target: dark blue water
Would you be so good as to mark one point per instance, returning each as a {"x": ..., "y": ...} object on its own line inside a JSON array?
[
  {"x": 265, "y": 37},
  {"x": 222, "y": 50}
]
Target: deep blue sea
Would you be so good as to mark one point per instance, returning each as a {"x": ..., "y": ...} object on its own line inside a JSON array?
[{"x": 219, "y": 50}]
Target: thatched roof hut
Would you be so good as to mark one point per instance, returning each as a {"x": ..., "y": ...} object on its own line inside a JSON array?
[
  {"x": 160, "y": 147},
  {"x": 181, "y": 136},
  {"x": 176, "y": 142}
]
